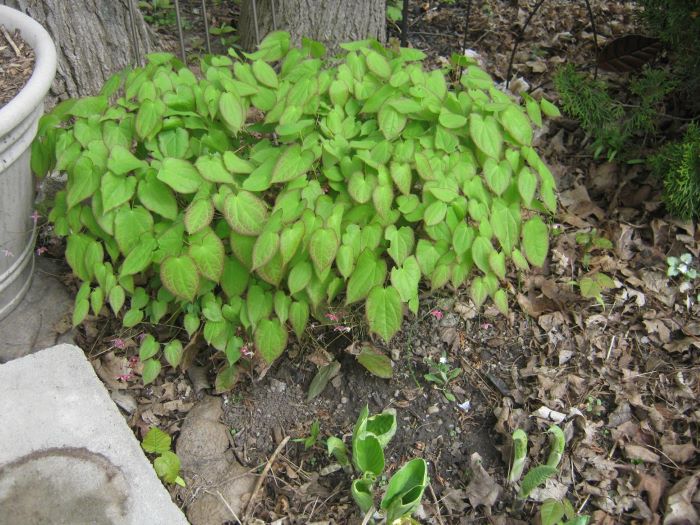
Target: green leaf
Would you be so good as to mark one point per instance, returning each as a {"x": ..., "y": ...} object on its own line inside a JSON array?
[
  {"x": 212, "y": 168},
  {"x": 557, "y": 445},
  {"x": 156, "y": 441},
  {"x": 148, "y": 120},
  {"x": 337, "y": 449},
  {"x": 265, "y": 248},
  {"x": 323, "y": 246},
  {"x": 405, "y": 490},
  {"x": 139, "y": 258},
  {"x": 517, "y": 124},
  {"x": 321, "y": 379},
  {"x": 363, "y": 278},
  {"x": 497, "y": 175},
  {"x": 167, "y": 466},
  {"x": 225, "y": 379},
  {"x": 179, "y": 275},
  {"x": 116, "y": 298},
  {"x": 245, "y": 213},
  {"x": 130, "y": 225},
  {"x": 451, "y": 120},
  {"x": 198, "y": 215},
  {"x": 535, "y": 241},
  {"x": 232, "y": 111},
  {"x": 406, "y": 279},
  {"x": 148, "y": 348},
  {"x": 132, "y": 317},
  {"x": 367, "y": 454},
  {"x": 151, "y": 369},
  {"x": 208, "y": 253},
  {"x": 500, "y": 299},
  {"x": 298, "y": 317},
  {"x": 270, "y": 339},
  {"x": 116, "y": 190},
  {"x": 378, "y": 65},
  {"x": 83, "y": 181},
  {"x": 519, "y": 455},
  {"x": 486, "y": 134},
  {"x": 174, "y": 143},
  {"x": 551, "y": 512},
  {"x": 384, "y": 311},
  {"x": 527, "y": 185},
  {"x": 391, "y": 122},
  {"x": 122, "y": 161},
  {"x": 402, "y": 177},
  {"x": 291, "y": 164},
  {"x": 481, "y": 251},
  {"x": 299, "y": 277},
  {"x": 478, "y": 291},
  {"x": 534, "y": 478},
  {"x": 375, "y": 362},
  {"x": 361, "y": 491},
  {"x": 401, "y": 243},
  {"x": 435, "y": 213},
  {"x": 173, "y": 352},
  {"x": 265, "y": 74},
  {"x": 157, "y": 197},
  {"x": 549, "y": 109},
  {"x": 497, "y": 264},
  {"x": 180, "y": 175}
]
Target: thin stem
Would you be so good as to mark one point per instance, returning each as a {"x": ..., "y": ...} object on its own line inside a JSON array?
[
  {"x": 179, "y": 32},
  {"x": 404, "y": 24},
  {"x": 595, "y": 37},
  {"x": 255, "y": 22},
  {"x": 466, "y": 33},
  {"x": 519, "y": 39},
  {"x": 206, "y": 25}
]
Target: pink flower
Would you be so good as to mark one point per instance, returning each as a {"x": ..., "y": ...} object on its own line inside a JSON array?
[
  {"x": 41, "y": 250},
  {"x": 118, "y": 343},
  {"x": 341, "y": 328},
  {"x": 437, "y": 314},
  {"x": 125, "y": 377},
  {"x": 133, "y": 361},
  {"x": 246, "y": 352},
  {"x": 332, "y": 317},
  {"x": 35, "y": 217},
  {"x": 486, "y": 326}
]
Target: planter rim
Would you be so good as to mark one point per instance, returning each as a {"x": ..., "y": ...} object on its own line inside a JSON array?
[{"x": 34, "y": 91}]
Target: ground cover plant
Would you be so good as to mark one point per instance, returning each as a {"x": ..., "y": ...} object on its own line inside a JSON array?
[{"x": 254, "y": 197}]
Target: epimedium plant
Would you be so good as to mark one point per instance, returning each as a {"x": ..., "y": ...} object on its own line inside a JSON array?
[{"x": 244, "y": 202}]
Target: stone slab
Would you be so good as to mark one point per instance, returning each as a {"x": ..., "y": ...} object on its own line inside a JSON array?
[
  {"x": 67, "y": 455},
  {"x": 41, "y": 317}
]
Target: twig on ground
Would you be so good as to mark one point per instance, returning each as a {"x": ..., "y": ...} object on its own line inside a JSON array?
[
  {"x": 261, "y": 479},
  {"x": 229, "y": 507},
  {"x": 437, "y": 504},
  {"x": 10, "y": 41}
]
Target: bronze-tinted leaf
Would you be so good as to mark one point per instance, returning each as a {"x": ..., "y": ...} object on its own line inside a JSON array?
[{"x": 628, "y": 53}]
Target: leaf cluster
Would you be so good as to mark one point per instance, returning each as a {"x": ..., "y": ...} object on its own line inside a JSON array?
[
  {"x": 370, "y": 437},
  {"x": 167, "y": 464},
  {"x": 241, "y": 203}
]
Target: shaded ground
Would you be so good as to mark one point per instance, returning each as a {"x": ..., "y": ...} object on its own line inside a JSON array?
[{"x": 621, "y": 377}]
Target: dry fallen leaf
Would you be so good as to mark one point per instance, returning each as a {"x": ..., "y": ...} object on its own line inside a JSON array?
[
  {"x": 482, "y": 489},
  {"x": 679, "y": 505}
]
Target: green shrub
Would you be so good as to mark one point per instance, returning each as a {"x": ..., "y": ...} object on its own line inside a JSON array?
[
  {"x": 677, "y": 24},
  {"x": 678, "y": 165},
  {"x": 253, "y": 197}
]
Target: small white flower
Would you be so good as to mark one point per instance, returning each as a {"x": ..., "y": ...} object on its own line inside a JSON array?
[{"x": 443, "y": 360}]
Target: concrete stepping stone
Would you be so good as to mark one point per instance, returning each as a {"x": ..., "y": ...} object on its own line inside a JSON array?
[{"x": 67, "y": 455}]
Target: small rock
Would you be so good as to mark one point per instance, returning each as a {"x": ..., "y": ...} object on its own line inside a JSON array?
[
  {"x": 433, "y": 409},
  {"x": 124, "y": 401}
]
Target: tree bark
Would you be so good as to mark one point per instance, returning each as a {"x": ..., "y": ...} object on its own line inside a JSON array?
[
  {"x": 329, "y": 21},
  {"x": 93, "y": 38}
]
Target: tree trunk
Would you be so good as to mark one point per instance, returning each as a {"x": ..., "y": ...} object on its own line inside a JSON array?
[
  {"x": 329, "y": 21},
  {"x": 93, "y": 40}
]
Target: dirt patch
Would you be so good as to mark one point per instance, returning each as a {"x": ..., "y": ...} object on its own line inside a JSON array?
[{"x": 16, "y": 64}]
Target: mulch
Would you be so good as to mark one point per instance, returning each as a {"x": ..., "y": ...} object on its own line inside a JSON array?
[{"x": 16, "y": 64}]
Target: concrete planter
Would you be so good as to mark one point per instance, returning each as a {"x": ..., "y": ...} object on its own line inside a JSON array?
[{"x": 18, "y": 125}]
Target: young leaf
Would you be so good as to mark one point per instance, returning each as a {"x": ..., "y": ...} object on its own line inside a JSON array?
[
  {"x": 375, "y": 362},
  {"x": 517, "y": 124},
  {"x": 405, "y": 490},
  {"x": 367, "y": 454},
  {"x": 534, "y": 478},
  {"x": 298, "y": 317},
  {"x": 180, "y": 175},
  {"x": 323, "y": 246},
  {"x": 384, "y": 311},
  {"x": 179, "y": 275},
  {"x": 173, "y": 352},
  {"x": 245, "y": 213},
  {"x": 551, "y": 512},
  {"x": 519, "y": 455},
  {"x": 270, "y": 339},
  {"x": 167, "y": 466},
  {"x": 156, "y": 441},
  {"x": 151, "y": 369},
  {"x": 486, "y": 134},
  {"x": 535, "y": 241},
  {"x": 337, "y": 449},
  {"x": 321, "y": 379},
  {"x": 557, "y": 445}
]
